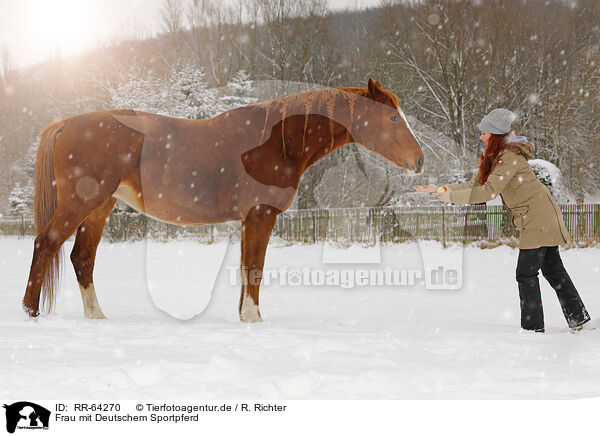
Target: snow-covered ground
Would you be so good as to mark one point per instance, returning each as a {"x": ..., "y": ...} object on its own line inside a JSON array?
[{"x": 317, "y": 342}]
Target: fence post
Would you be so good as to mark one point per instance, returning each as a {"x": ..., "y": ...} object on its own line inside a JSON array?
[
  {"x": 444, "y": 225},
  {"x": 22, "y": 227},
  {"x": 417, "y": 235},
  {"x": 596, "y": 212}
]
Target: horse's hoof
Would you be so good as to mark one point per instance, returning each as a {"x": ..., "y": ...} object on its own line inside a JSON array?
[
  {"x": 250, "y": 313},
  {"x": 249, "y": 310},
  {"x": 32, "y": 313},
  {"x": 253, "y": 318},
  {"x": 96, "y": 316}
]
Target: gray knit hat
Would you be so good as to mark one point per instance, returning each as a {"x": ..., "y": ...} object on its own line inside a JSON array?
[{"x": 497, "y": 121}]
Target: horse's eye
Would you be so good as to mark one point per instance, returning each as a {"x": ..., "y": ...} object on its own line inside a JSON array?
[{"x": 394, "y": 118}]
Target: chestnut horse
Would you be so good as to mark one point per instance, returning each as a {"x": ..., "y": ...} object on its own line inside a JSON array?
[{"x": 244, "y": 164}]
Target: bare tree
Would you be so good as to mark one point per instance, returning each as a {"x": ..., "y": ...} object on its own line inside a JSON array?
[
  {"x": 7, "y": 68},
  {"x": 445, "y": 58},
  {"x": 295, "y": 33},
  {"x": 172, "y": 16},
  {"x": 215, "y": 35}
]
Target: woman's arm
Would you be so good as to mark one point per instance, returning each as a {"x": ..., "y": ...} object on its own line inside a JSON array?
[
  {"x": 495, "y": 184},
  {"x": 464, "y": 185}
]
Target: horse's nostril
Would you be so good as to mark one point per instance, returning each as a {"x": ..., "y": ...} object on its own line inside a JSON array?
[{"x": 419, "y": 164}]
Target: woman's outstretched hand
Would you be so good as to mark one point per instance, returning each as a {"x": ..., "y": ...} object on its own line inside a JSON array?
[
  {"x": 426, "y": 188},
  {"x": 441, "y": 192},
  {"x": 444, "y": 195}
]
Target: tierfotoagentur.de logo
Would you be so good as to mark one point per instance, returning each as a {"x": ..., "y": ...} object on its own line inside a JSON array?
[{"x": 26, "y": 415}]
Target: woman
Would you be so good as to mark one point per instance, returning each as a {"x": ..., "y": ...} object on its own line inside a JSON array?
[{"x": 504, "y": 170}]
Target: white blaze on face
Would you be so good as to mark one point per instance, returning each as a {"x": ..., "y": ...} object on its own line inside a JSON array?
[{"x": 406, "y": 121}]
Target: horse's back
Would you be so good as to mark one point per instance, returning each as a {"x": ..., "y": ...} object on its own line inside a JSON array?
[{"x": 175, "y": 170}]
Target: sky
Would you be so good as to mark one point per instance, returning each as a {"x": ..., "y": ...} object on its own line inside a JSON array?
[{"x": 35, "y": 30}]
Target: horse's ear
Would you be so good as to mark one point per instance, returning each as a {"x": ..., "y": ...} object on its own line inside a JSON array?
[
  {"x": 375, "y": 91},
  {"x": 371, "y": 86}
]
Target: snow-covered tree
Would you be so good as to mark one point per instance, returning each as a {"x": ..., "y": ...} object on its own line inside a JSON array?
[
  {"x": 140, "y": 91},
  {"x": 346, "y": 185},
  {"x": 457, "y": 177},
  {"x": 239, "y": 91},
  {"x": 21, "y": 195},
  {"x": 182, "y": 93},
  {"x": 550, "y": 176},
  {"x": 189, "y": 95},
  {"x": 20, "y": 198}
]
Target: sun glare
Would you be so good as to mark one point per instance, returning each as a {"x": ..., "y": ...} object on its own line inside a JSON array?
[{"x": 61, "y": 27}]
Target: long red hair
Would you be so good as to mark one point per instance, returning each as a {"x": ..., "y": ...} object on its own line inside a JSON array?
[{"x": 489, "y": 160}]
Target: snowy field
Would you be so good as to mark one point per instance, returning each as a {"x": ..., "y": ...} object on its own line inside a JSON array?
[{"x": 317, "y": 342}]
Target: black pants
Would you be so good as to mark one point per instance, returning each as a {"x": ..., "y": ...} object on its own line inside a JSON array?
[{"x": 548, "y": 259}]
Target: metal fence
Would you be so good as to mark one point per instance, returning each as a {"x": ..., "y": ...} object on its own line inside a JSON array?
[{"x": 350, "y": 225}]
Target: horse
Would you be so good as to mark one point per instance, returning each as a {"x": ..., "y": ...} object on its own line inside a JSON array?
[{"x": 241, "y": 165}]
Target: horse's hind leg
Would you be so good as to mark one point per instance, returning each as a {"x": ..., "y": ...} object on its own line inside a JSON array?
[
  {"x": 256, "y": 231},
  {"x": 83, "y": 256},
  {"x": 47, "y": 244}
]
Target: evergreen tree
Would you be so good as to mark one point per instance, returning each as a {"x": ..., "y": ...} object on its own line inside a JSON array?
[
  {"x": 138, "y": 91},
  {"x": 182, "y": 93},
  {"x": 188, "y": 94},
  {"x": 239, "y": 91},
  {"x": 20, "y": 198}
]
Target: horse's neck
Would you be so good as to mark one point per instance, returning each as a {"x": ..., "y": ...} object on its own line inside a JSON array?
[
  {"x": 319, "y": 149},
  {"x": 326, "y": 129}
]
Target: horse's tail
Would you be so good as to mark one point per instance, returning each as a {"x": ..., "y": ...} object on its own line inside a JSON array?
[{"x": 45, "y": 201}]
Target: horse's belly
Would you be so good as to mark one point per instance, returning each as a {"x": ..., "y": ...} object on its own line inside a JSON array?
[
  {"x": 170, "y": 209},
  {"x": 129, "y": 196}
]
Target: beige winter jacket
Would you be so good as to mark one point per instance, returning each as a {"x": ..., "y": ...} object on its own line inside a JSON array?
[{"x": 536, "y": 214}]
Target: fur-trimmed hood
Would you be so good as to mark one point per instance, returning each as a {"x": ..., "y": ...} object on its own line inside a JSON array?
[{"x": 519, "y": 145}]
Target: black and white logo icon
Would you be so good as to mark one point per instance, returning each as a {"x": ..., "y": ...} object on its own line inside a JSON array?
[{"x": 26, "y": 415}]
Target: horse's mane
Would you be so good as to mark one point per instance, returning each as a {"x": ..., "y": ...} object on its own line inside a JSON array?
[
  {"x": 316, "y": 101},
  {"x": 364, "y": 91}
]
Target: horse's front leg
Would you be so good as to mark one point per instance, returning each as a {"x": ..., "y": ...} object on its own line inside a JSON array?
[{"x": 256, "y": 230}]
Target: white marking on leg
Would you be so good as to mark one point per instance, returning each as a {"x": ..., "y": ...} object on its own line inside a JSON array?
[
  {"x": 91, "y": 308},
  {"x": 249, "y": 311}
]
